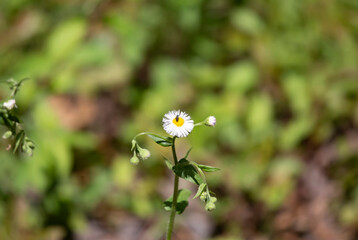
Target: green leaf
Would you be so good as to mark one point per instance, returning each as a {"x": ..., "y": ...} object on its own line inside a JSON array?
[
  {"x": 15, "y": 86},
  {"x": 187, "y": 171},
  {"x": 14, "y": 118},
  {"x": 7, "y": 123},
  {"x": 182, "y": 201},
  {"x": 200, "y": 190},
  {"x": 207, "y": 168},
  {"x": 19, "y": 139},
  {"x": 162, "y": 141},
  {"x": 66, "y": 37},
  {"x": 168, "y": 163},
  {"x": 11, "y": 82},
  {"x": 187, "y": 153}
]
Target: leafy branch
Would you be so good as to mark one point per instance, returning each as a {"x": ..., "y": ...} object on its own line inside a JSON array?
[
  {"x": 15, "y": 131},
  {"x": 179, "y": 124}
]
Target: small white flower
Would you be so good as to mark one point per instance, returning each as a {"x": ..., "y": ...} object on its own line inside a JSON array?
[
  {"x": 177, "y": 123},
  {"x": 210, "y": 121},
  {"x": 10, "y": 104}
]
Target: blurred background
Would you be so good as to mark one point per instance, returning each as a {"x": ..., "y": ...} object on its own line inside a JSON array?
[{"x": 281, "y": 78}]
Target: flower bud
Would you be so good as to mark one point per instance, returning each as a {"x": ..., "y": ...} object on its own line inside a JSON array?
[
  {"x": 210, "y": 121},
  {"x": 143, "y": 153},
  {"x": 203, "y": 196},
  {"x": 7, "y": 135},
  {"x": 134, "y": 159},
  {"x": 213, "y": 199},
  {"x": 10, "y": 104},
  {"x": 210, "y": 206},
  {"x": 134, "y": 144}
]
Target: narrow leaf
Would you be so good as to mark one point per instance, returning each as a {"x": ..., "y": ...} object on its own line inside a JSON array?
[
  {"x": 207, "y": 168},
  {"x": 182, "y": 201},
  {"x": 162, "y": 141},
  {"x": 200, "y": 190},
  {"x": 187, "y": 153},
  {"x": 18, "y": 140},
  {"x": 168, "y": 163},
  {"x": 23, "y": 80}
]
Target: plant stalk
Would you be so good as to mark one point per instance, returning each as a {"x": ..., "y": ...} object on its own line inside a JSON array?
[{"x": 175, "y": 197}]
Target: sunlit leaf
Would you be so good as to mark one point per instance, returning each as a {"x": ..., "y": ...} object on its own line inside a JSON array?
[
  {"x": 207, "y": 168},
  {"x": 200, "y": 190},
  {"x": 187, "y": 171},
  {"x": 162, "y": 141},
  {"x": 65, "y": 37}
]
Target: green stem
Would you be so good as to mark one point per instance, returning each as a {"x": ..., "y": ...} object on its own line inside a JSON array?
[
  {"x": 202, "y": 175},
  {"x": 199, "y": 124},
  {"x": 143, "y": 133},
  {"x": 175, "y": 197}
]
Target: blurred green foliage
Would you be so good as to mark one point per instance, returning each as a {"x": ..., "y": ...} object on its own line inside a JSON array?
[{"x": 280, "y": 77}]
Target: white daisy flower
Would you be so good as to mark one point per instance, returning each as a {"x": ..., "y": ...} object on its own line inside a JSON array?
[{"x": 177, "y": 123}]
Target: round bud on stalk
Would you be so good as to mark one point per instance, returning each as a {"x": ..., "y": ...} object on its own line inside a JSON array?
[
  {"x": 210, "y": 121},
  {"x": 203, "y": 196},
  {"x": 213, "y": 199},
  {"x": 143, "y": 153},
  {"x": 210, "y": 206},
  {"x": 134, "y": 159}
]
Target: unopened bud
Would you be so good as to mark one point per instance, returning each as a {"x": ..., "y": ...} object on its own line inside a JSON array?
[
  {"x": 143, "y": 153},
  {"x": 134, "y": 159},
  {"x": 210, "y": 206},
  {"x": 210, "y": 121},
  {"x": 213, "y": 199},
  {"x": 203, "y": 196},
  {"x": 7, "y": 135},
  {"x": 134, "y": 143}
]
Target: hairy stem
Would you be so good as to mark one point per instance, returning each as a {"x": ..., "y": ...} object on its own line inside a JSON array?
[{"x": 175, "y": 197}]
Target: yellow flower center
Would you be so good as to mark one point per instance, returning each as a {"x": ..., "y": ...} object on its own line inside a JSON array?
[{"x": 178, "y": 121}]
